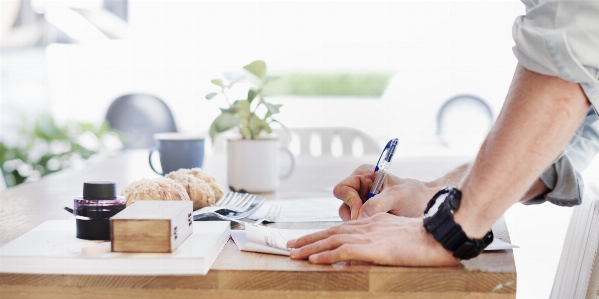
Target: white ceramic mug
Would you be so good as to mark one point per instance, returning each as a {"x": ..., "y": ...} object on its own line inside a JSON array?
[{"x": 254, "y": 165}]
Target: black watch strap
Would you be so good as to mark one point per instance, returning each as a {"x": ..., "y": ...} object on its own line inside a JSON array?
[{"x": 450, "y": 234}]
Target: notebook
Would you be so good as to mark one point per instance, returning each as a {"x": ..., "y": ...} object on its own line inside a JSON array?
[
  {"x": 578, "y": 269},
  {"x": 52, "y": 248}
]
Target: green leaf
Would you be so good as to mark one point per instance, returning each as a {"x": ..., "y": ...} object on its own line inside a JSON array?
[
  {"x": 218, "y": 82},
  {"x": 246, "y": 131},
  {"x": 213, "y": 132},
  {"x": 232, "y": 110},
  {"x": 273, "y": 109},
  {"x": 258, "y": 68},
  {"x": 252, "y": 94},
  {"x": 267, "y": 128},
  {"x": 211, "y": 95},
  {"x": 223, "y": 123},
  {"x": 241, "y": 108},
  {"x": 257, "y": 124}
]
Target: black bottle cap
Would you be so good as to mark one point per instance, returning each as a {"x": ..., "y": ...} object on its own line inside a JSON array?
[{"x": 99, "y": 190}]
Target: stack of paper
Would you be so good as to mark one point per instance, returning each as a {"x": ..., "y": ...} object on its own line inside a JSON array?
[
  {"x": 52, "y": 248},
  {"x": 573, "y": 277},
  {"x": 303, "y": 210}
]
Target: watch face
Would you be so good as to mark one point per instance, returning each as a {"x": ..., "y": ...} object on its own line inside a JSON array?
[{"x": 435, "y": 207}]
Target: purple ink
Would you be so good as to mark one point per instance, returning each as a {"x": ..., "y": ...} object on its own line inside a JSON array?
[{"x": 94, "y": 209}]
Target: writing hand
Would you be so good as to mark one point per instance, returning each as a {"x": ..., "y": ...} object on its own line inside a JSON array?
[{"x": 404, "y": 197}]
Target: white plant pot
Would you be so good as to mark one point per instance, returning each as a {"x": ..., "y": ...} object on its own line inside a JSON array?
[{"x": 254, "y": 165}]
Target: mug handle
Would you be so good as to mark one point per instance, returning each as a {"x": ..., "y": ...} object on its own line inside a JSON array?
[
  {"x": 152, "y": 150},
  {"x": 288, "y": 173}
]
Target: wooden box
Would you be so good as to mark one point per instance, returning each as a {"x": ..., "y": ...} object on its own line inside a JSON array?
[{"x": 151, "y": 226}]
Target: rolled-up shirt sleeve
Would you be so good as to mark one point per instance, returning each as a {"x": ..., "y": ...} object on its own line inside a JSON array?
[
  {"x": 563, "y": 177},
  {"x": 561, "y": 38}
]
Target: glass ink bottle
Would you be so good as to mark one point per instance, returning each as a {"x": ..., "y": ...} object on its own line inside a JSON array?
[{"x": 93, "y": 210}]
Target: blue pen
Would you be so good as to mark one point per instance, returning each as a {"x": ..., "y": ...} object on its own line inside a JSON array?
[{"x": 382, "y": 168}]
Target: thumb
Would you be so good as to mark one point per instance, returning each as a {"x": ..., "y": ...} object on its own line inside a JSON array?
[
  {"x": 355, "y": 204},
  {"x": 377, "y": 204}
]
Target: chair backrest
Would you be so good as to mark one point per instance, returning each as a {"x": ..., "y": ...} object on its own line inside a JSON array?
[
  {"x": 345, "y": 138},
  {"x": 138, "y": 117},
  {"x": 302, "y": 139}
]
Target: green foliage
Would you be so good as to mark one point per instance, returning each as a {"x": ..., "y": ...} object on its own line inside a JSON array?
[
  {"x": 243, "y": 113},
  {"x": 330, "y": 84},
  {"x": 45, "y": 147}
]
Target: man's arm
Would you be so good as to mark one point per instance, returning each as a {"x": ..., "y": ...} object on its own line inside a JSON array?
[{"x": 538, "y": 118}]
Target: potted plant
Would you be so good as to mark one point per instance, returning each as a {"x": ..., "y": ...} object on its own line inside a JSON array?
[
  {"x": 244, "y": 113},
  {"x": 253, "y": 159}
]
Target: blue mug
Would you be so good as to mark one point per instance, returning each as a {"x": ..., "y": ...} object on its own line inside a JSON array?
[{"x": 177, "y": 150}]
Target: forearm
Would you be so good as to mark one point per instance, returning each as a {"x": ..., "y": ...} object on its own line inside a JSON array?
[
  {"x": 455, "y": 177},
  {"x": 452, "y": 178},
  {"x": 539, "y": 116}
]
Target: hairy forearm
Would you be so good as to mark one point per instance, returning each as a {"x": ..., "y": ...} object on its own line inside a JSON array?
[{"x": 539, "y": 116}]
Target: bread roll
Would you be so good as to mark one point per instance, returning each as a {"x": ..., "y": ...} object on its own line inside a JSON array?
[
  {"x": 199, "y": 191},
  {"x": 200, "y": 174},
  {"x": 155, "y": 189}
]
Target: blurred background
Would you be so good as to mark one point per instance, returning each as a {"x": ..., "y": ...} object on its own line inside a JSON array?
[{"x": 432, "y": 73}]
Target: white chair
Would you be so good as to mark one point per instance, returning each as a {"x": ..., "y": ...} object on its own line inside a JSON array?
[
  {"x": 577, "y": 275},
  {"x": 334, "y": 141}
]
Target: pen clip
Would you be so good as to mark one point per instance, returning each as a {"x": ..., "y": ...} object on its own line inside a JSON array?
[
  {"x": 392, "y": 144},
  {"x": 385, "y": 150}
]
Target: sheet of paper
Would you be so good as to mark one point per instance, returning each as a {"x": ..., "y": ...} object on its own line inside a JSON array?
[
  {"x": 274, "y": 241},
  {"x": 500, "y": 245},
  {"x": 267, "y": 239},
  {"x": 303, "y": 210}
]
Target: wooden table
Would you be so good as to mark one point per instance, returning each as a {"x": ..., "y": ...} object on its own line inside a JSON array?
[{"x": 243, "y": 274}]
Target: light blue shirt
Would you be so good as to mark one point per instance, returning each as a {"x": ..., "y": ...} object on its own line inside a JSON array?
[{"x": 561, "y": 39}]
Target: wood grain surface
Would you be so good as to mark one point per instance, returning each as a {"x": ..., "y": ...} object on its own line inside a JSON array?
[{"x": 237, "y": 274}]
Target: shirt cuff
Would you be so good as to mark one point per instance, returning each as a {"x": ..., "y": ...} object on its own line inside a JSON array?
[{"x": 564, "y": 182}]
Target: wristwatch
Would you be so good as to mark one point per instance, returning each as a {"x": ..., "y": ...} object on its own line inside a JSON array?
[{"x": 439, "y": 222}]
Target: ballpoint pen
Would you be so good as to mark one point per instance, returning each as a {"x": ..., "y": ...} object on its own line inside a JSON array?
[{"x": 382, "y": 168}]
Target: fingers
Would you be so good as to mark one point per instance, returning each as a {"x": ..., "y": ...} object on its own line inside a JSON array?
[
  {"x": 345, "y": 252},
  {"x": 347, "y": 191},
  {"x": 327, "y": 244},
  {"x": 344, "y": 212},
  {"x": 308, "y": 239},
  {"x": 381, "y": 203},
  {"x": 345, "y": 228},
  {"x": 352, "y": 189}
]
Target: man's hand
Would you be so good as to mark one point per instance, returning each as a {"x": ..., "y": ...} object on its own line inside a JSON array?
[
  {"x": 403, "y": 197},
  {"x": 382, "y": 239}
]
